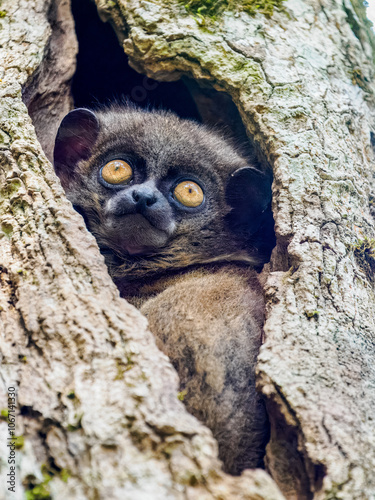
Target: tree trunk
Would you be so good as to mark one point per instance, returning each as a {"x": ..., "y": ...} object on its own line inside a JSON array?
[{"x": 97, "y": 412}]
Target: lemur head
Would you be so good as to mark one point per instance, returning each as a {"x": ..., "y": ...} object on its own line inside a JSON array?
[{"x": 160, "y": 192}]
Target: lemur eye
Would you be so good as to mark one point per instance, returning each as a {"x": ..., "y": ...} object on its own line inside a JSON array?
[
  {"x": 117, "y": 172},
  {"x": 189, "y": 193}
]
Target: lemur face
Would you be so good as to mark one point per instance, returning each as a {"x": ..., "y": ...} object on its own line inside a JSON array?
[{"x": 150, "y": 184}]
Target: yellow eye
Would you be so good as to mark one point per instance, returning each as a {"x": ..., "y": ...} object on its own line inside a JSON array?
[
  {"x": 189, "y": 194},
  {"x": 117, "y": 172}
]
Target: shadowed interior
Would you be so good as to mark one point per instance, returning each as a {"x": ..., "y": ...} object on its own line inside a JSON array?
[{"x": 100, "y": 79}]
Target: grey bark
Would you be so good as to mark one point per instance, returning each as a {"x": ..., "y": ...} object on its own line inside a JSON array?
[{"x": 98, "y": 400}]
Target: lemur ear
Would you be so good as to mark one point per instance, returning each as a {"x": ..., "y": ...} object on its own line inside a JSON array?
[
  {"x": 75, "y": 138},
  {"x": 249, "y": 194}
]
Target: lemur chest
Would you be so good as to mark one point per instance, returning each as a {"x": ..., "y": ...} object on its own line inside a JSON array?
[{"x": 205, "y": 291}]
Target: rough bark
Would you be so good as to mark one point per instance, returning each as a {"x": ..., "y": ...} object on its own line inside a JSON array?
[
  {"x": 97, "y": 408},
  {"x": 47, "y": 93},
  {"x": 97, "y": 400}
]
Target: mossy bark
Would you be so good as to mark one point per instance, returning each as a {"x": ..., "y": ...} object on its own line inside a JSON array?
[{"x": 97, "y": 403}]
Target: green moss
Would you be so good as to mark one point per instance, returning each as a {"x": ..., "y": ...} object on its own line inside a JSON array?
[
  {"x": 181, "y": 395},
  {"x": 214, "y": 8},
  {"x": 312, "y": 314},
  {"x": 364, "y": 252},
  {"x": 7, "y": 229},
  {"x": 47, "y": 470},
  {"x": 51, "y": 470},
  {"x": 73, "y": 428},
  {"x": 4, "y": 413},
  {"x": 12, "y": 186},
  {"x": 41, "y": 490},
  {"x": 71, "y": 395},
  {"x": 122, "y": 367},
  {"x": 2, "y": 13},
  {"x": 77, "y": 426},
  {"x": 20, "y": 441},
  {"x": 65, "y": 475},
  {"x": 120, "y": 372},
  {"x": 334, "y": 492}
]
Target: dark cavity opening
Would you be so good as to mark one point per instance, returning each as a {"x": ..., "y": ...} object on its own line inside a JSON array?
[
  {"x": 101, "y": 79},
  {"x": 103, "y": 74}
]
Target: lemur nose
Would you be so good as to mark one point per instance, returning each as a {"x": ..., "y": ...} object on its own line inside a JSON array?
[{"x": 144, "y": 196}]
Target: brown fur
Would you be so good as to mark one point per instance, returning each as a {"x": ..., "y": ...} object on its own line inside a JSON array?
[
  {"x": 192, "y": 277},
  {"x": 202, "y": 321}
]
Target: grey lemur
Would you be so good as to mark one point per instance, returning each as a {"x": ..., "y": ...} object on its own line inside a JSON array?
[{"x": 181, "y": 217}]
